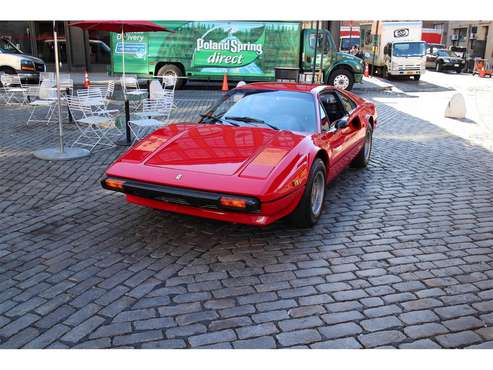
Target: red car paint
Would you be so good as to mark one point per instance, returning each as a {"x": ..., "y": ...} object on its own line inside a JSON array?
[{"x": 269, "y": 165}]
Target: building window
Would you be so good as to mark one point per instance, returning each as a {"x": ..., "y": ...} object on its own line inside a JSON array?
[
  {"x": 99, "y": 50},
  {"x": 45, "y": 43},
  {"x": 18, "y": 33}
]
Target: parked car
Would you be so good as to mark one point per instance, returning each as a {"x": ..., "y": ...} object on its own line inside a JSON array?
[
  {"x": 442, "y": 60},
  {"x": 263, "y": 152},
  {"x": 14, "y": 61}
]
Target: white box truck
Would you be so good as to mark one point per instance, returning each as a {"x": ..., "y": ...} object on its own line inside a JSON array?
[{"x": 394, "y": 48}]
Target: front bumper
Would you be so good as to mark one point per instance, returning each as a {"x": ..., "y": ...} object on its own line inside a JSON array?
[
  {"x": 206, "y": 204},
  {"x": 28, "y": 76},
  {"x": 452, "y": 65}
]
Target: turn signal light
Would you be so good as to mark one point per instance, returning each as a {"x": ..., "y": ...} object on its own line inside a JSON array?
[
  {"x": 233, "y": 202},
  {"x": 113, "y": 184}
]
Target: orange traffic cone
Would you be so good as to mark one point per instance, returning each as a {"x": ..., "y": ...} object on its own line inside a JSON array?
[
  {"x": 87, "y": 83},
  {"x": 367, "y": 72},
  {"x": 225, "y": 83},
  {"x": 481, "y": 72}
]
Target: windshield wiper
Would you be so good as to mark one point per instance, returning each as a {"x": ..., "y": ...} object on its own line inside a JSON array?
[
  {"x": 217, "y": 119},
  {"x": 252, "y": 120}
]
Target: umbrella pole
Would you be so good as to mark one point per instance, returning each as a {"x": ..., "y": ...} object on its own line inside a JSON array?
[
  {"x": 62, "y": 153},
  {"x": 123, "y": 66},
  {"x": 57, "y": 70}
]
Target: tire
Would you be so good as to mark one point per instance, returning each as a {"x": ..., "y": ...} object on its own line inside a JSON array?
[
  {"x": 417, "y": 77},
  {"x": 438, "y": 67},
  {"x": 363, "y": 157},
  {"x": 385, "y": 73},
  {"x": 458, "y": 71},
  {"x": 342, "y": 79},
  {"x": 171, "y": 69},
  {"x": 304, "y": 215}
]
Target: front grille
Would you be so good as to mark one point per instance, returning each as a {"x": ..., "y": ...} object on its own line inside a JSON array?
[{"x": 188, "y": 197}]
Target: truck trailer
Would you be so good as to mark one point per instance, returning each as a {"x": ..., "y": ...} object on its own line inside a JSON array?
[
  {"x": 394, "y": 48},
  {"x": 243, "y": 50}
]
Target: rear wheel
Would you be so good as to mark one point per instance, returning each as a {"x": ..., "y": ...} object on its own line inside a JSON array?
[
  {"x": 361, "y": 160},
  {"x": 341, "y": 79},
  {"x": 309, "y": 209},
  {"x": 172, "y": 70}
]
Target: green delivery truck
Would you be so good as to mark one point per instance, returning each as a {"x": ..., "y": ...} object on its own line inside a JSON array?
[{"x": 244, "y": 50}]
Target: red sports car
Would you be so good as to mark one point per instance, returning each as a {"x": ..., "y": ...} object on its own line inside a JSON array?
[{"x": 263, "y": 152}]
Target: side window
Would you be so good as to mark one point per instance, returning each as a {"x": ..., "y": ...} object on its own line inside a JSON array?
[
  {"x": 324, "y": 121},
  {"x": 332, "y": 106},
  {"x": 348, "y": 104}
]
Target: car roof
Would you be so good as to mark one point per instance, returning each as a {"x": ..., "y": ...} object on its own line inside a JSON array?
[{"x": 286, "y": 86}]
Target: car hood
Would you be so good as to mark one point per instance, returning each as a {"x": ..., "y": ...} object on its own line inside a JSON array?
[{"x": 197, "y": 155}]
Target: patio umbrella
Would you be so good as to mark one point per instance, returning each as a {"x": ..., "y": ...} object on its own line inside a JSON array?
[
  {"x": 61, "y": 153},
  {"x": 122, "y": 27}
]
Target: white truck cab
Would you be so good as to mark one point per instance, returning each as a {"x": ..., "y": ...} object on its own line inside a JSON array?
[
  {"x": 14, "y": 61},
  {"x": 394, "y": 48}
]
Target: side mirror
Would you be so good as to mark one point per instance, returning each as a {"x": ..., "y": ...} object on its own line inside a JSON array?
[{"x": 341, "y": 123}]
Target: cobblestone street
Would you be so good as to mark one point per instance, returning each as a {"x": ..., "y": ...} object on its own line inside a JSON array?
[{"x": 402, "y": 256}]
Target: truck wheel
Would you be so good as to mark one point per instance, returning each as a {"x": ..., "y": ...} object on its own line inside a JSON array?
[
  {"x": 341, "y": 79},
  {"x": 172, "y": 70},
  {"x": 310, "y": 206},
  {"x": 417, "y": 77}
]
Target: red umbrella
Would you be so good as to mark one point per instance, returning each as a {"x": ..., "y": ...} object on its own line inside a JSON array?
[{"x": 120, "y": 26}]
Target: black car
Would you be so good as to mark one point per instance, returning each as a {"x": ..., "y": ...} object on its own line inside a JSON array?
[{"x": 442, "y": 60}]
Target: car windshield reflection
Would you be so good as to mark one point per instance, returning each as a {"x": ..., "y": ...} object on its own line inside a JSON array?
[{"x": 278, "y": 110}]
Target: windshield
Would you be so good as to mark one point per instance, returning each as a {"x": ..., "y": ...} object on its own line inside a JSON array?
[
  {"x": 348, "y": 43},
  {"x": 8, "y": 48},
  {"x": 446, "y": 53},
  {"x": 409, "y": 49},
  {"x": 283, "y": 110}
]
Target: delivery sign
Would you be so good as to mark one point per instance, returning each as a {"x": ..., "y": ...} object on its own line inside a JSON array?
[{"x": 229, "y": 52}]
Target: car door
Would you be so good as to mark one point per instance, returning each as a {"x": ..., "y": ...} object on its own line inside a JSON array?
[
  {"x": 355, "y": 131},
  {"x": 339, "y": 142},
  {"x": 329, "y": 138}
]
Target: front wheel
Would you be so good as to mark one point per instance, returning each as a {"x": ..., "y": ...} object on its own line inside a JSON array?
[
  {"x": 309, "y": 209},
  {"x": 417, "y": 77},
  {"x": 341, "y": 79},
  {"x": 172, "y": 70},
  {"x": 438, "y": 67},
  {"x": 363, "y": 157},
  {"x": 458, "y": 70}
]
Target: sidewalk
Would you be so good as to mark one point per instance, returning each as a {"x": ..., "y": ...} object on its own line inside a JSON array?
[{"x": 369, "y": 83}]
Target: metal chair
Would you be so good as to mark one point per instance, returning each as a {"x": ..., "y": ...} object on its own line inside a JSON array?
[
  {"x": 13, "y": 88},
  {"x": 45, "y": 98},
  {"x": 151, "y": 110},
  {"x": 94, "y": 97},
  {"x": 131, "y": 87},
  {"x": 94, "y": 128}
]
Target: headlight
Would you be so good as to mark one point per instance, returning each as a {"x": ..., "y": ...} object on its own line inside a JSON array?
[{"x": 27, "y": 65}]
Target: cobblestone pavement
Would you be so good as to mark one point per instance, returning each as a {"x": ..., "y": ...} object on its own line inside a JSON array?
[{"x": 402, "y": 256}]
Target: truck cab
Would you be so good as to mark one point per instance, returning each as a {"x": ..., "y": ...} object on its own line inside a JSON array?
[
  {"x": 405, "y": 58},
  {"x": 339, "y": 69},
  {"x": 14, "y": 61}
]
